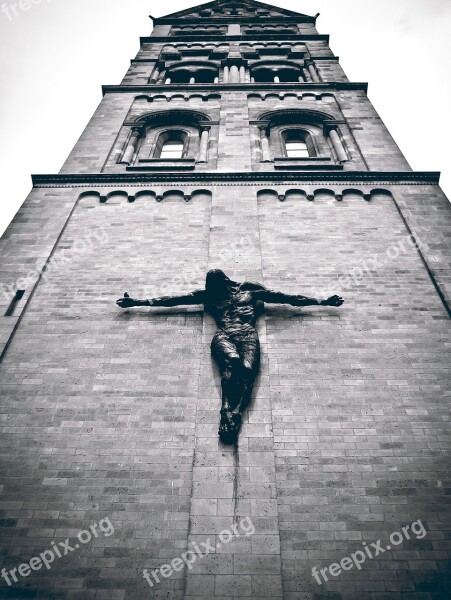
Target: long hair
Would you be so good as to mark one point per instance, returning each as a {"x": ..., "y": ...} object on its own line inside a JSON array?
[{"x": 218, "y": 286}]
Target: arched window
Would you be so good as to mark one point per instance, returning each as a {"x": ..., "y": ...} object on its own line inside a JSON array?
[
  {"x": 192, "y": 72},
  {"x": 198, "y": 30},
  {"x": 294, "y": 138},
  {"x": 172, "y": 149},
  {"x": 298, "y": 144},
  {"x": 296, "y": 149},
  {"x": 178, "y": 138},
  {"x": 278, "y": 72},
  {"x": 171, "y": 145},
  {"x": 277, "y": 29}
]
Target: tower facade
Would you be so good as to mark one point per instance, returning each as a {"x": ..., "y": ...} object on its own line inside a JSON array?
[{"x": 235, "y": 141}]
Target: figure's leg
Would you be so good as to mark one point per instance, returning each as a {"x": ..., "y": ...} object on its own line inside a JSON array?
[
  {"x": 250, "y": 365},
  {"x": 226, "y": 355}
]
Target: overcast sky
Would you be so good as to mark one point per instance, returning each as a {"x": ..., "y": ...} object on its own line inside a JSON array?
[{"x": 55, "y": 55}]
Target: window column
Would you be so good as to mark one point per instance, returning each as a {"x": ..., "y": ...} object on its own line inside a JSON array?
[
  {"x": 264, "y": 140},
  {"x": 226, "y": 74},
  {"x": 132, "y": 145},
  {"x": 312, "y": 71},
  {"x": 234, "y": 74},
  {"x": 155, "y": 75},
  {"x": 203, "y": 148},
  {"x": 332, "y": 130}
]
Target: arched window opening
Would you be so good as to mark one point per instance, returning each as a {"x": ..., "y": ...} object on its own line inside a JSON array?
[
  {"x": 277, "y": 29},
  {"x": 290, "y": 75},
  {"x": 300, "y": 139},
  {"x": 172, "y": 149},
  {"x": 178, "y": 138},
  {"x": 296, "y": 149},
  {"x": 206, "y": 76},
  {"x": 278, "y": 73},
  {"x": 192, "y": 73},
  {"x": 198, "y": 30},
  {"x": 298, "y": 144},
  {"x": 171, "y": 145}
]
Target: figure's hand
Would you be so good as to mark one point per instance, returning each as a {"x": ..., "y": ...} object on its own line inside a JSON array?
[
  {"x": 126, "y": 301},
  {"x": 333, "y": 301}
]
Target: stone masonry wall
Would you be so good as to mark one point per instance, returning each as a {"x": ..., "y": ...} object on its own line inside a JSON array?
[
  {"x": 369, "y": 143},
  {"x": 113, "y": 414},
  {"x": 110, "y": 413},
  {"x": 92, "y": 149},
  {"x": 99, "y": 405},
  {"x": 359, "y": 399}
]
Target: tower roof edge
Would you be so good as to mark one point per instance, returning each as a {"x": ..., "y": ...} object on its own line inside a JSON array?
[{"x": 223, "y": 3}]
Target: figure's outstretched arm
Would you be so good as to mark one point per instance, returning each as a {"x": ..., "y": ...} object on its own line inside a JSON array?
[
  {"x": 196, "y": 297},
  {"x": 272, "y": 297}
]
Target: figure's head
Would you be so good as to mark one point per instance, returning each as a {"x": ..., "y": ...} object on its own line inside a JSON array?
[{"x": 217, "y": 283}]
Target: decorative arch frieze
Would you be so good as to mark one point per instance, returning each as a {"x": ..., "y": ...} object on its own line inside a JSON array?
[
  {"x": 289, "y": 95},
  {"x": 148, "y": 195},
  {"x": 185, "y": 96},
  {"x": 283, "y": 194}
]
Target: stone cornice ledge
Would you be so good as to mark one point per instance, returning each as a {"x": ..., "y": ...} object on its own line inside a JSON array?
[
  {"x": 295, "y": 36},
  {"x": 253, "y": 178},
  {"x": 233, "y": 19},
  {"x": 228, "y": 87}
]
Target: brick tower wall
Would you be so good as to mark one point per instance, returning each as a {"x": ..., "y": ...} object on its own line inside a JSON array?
[{"x": 114, "y": 414}]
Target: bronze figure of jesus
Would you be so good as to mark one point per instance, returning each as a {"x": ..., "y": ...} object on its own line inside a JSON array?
[{"x": 235, "y": 346}]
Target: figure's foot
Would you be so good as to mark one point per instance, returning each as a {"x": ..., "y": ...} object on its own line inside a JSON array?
[
  {"x": 229, "y": 426},
  {"x": 236, "y": 418}
]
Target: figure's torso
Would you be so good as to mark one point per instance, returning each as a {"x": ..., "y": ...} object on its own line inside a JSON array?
[{"x": 239, "y": 309}]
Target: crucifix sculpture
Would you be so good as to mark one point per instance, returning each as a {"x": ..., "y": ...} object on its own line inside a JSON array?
[{"x": 235, "y": 346}]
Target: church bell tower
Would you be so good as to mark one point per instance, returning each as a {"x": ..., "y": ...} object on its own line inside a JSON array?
[{"x": 235, "y": 141}]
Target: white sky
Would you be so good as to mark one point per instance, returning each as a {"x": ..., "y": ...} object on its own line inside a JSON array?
[{"x": 55, "y": 55}]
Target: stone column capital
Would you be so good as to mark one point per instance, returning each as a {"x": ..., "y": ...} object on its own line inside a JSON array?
[{"x": 329, "y": 126}]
